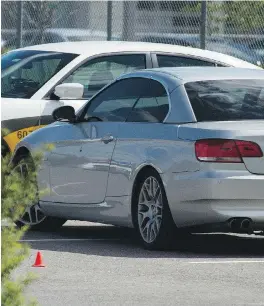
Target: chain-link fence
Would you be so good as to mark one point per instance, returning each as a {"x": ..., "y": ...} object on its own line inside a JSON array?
[{"x": 231, "y": 27}]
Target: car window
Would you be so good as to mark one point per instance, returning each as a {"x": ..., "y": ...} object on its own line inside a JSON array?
[
  {"x": 153, "y": 104},
  {"x": 179, "y": 61},
  {"x": 25, "y": 72},
  {"x": 97, "y": 73},
  {"x": 115, "y": 102},
  {"x": 227, "y": 100}
]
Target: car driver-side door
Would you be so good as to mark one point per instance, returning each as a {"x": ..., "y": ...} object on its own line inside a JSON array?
[{"x": 79, "y": 168}]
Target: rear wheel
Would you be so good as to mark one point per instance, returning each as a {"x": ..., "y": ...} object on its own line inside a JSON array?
[
  {"x": 33, "y": 215},
  {"x": 152, "y": 217}
]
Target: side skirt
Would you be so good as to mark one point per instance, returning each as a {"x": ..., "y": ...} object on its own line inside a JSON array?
[{"x": 114, "y": 210}]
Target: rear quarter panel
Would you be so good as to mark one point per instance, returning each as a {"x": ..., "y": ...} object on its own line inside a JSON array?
[{"x": 148, "y": 144}]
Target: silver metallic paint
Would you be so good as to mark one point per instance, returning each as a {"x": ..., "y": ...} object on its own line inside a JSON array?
[{"x": 105, "y": 173}]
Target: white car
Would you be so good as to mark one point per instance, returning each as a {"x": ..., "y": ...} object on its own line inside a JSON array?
[{"x": 38, "y": 79}]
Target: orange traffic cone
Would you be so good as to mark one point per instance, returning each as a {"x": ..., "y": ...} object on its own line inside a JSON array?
[{"x": 39, "y": 262}]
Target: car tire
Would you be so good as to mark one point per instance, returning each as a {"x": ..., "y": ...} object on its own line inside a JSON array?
[
  {"x": 33, "y": 217},
  {"x": 151, "y": 213}
]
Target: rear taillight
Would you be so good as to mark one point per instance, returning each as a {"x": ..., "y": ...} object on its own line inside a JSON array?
[{"x": 225, "y": 150}]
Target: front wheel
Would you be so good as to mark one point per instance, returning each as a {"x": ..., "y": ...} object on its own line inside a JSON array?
[
  {"x": 33, "y": 215},
  {"x": 152, "y": 216}
]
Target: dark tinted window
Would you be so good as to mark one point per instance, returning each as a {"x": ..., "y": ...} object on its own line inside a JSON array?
[
  {"x": 227, "y": 100},
  {"x": 116, "y": 101},
  {"x": 97, "y": 73},
  {"x": 178, "y": 61},
  {"x": 153, "y": 104},
  {"x": 25, "y": 72},
  {"x": 133, "y": 100}
]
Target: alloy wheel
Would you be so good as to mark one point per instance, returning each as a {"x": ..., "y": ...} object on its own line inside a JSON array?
[
  {"x": 150, "y": 208},
  {"x": 32, "y": 214}
]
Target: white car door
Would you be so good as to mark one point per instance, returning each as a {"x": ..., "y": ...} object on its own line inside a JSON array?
[
  {"x": 93, "y": 74},
  {"x": 48, "y": 106}
]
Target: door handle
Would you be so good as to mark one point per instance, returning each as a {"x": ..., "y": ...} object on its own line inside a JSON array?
[{"x": 107, "y": 138}]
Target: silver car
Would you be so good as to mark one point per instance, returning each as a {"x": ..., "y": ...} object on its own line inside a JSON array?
[{"x": 159, "y": 150}]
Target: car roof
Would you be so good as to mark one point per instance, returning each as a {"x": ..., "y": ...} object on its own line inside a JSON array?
[
  {"x": 183, "y": 75},
  {"x": 91, "y": 48}
]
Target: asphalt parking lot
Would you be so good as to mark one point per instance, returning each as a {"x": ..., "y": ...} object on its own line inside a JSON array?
[{"x": 94, "y": 264}]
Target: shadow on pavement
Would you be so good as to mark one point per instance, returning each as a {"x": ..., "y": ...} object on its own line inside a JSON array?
[{"x": 122, "y": 242}]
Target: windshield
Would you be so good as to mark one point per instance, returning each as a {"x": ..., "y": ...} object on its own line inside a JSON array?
[
  {"x": 227, "y": 100},
  {"x": 24, "y": 72}
]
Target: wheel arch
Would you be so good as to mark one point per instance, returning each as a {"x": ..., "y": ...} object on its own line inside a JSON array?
[
  {"x": 140, "y": 171},
  {"x": 20, "y": 152}
]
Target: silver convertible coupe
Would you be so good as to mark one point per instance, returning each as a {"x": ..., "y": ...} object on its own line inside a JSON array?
[{"x": 159, "y": 150}]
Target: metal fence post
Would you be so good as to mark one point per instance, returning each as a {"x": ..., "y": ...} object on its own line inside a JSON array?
[
  {"x": 19, "y": 24},
  {"x": 129, "y": 20},
  {"x": 203, "y": 24},
  {"x": 109, "y": 19}
]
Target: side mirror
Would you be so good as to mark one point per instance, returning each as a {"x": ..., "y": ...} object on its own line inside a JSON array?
[
  {"x": 69, "y": 91},
  {"x": 64, "y": 113}
]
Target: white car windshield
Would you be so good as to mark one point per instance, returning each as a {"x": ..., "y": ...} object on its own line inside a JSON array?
[
  {"x": 227, "y": 100},
  {"x": 24, "y": 72}
]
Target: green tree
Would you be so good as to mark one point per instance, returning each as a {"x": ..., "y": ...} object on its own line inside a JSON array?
[
  {"x": 235, "y": 17},
  {"x": 244, "y": 16},
  {"x": 18, "y": 189},
  {"x": 16, "y": 193}
]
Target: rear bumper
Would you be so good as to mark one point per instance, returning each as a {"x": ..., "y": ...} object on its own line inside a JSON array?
[{"x": 210, "y": 197}]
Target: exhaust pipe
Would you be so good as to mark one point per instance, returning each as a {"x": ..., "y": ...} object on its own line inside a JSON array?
[
  {"x": 234, "y": 225},
  {"x": 240, "y": 225},
  {"x": 246, "y": 225}
]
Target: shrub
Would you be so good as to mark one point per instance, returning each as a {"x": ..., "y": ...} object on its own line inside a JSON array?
[{"x": 16, "y": 193}]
